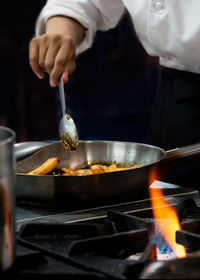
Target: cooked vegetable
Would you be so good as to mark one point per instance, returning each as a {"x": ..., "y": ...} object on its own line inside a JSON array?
[
  {"x": 51, "y": 165},
  {"x": 71, "y": 172},
  {"x": 96, "y": 169},
  {"x": 47, "y": 167}
]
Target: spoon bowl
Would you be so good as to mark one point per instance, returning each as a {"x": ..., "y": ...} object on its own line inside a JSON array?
[
  {"x": 67, "y": 128},
  {"x": 68, "y": 133}
]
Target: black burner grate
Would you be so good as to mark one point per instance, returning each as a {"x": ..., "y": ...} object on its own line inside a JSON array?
[
  {"x": 117, "y": 245},
  {"x": 103, "y": 247}
]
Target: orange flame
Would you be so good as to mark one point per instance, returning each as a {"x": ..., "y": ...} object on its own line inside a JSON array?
[{"x": 166, "y": 218}]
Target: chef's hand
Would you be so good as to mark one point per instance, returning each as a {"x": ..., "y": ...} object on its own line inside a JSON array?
[{"x": 54, "y": 52}]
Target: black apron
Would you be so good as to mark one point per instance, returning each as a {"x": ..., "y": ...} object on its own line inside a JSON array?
[{"x": 176, "y": 121}]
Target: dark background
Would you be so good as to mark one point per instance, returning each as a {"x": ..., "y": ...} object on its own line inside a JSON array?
[{"x": 110, "y": 96}]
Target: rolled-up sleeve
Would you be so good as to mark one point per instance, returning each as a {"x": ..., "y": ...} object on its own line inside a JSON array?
[{"x": 92, "y": 14}]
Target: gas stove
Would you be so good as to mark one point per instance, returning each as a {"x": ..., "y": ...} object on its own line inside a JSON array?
[{"x": 115, "y": 240}]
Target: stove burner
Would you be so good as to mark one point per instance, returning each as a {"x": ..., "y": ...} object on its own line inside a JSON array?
[
  {"x": 189, "y": 236},
  {"x": 173, "y": 269},
  {"x": 33, "y": 264},
  {"x": 115, "y": 244},
  {"x": 104, "y": 247},
  {"x": 188, "y": 209}
]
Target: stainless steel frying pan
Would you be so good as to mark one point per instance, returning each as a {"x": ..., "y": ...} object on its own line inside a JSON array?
[{"x": 65, "y": 189}]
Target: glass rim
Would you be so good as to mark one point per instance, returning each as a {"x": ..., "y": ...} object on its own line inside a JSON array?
[{"x": 10, "y": 137}]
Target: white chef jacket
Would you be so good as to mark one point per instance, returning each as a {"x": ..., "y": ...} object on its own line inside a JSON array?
[{"x": 168, "y": 29}]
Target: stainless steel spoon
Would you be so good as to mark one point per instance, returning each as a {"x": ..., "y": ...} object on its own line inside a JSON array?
[{"x": 67, "y": 128}]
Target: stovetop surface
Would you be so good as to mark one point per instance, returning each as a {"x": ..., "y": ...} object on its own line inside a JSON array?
[
  {"x": 29, "y": 213},
  {"x": 111, "y": 240}
]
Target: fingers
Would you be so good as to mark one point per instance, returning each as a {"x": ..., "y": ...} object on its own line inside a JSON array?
[
  {"x": 34, "y": 58},
  {"x": 47, "y": 59},
  {"x": 64, "y": 64},
  {"x": 52, "y": 53},
  {"x": 43, "y": 48}
]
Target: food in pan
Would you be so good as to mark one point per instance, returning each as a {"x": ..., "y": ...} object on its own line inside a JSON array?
[
  {"x": 71, "y": 172},
  {"x": 50, "y": 166},
  {"x": 47, "y": 167}
]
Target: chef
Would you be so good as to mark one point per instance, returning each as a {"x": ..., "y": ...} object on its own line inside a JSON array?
[{"x": 167, "y": 29}]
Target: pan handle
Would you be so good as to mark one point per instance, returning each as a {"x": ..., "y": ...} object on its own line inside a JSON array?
[{"x": 183, "y": 152}]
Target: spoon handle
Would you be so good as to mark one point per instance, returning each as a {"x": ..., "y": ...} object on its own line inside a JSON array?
[{"x": 62, "y": 95}]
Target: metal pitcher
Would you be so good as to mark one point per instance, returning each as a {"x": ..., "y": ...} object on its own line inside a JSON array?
[{"x": 7, "y": 199}]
